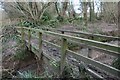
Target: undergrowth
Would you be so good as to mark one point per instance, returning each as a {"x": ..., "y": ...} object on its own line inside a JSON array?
[{"x": 116, "y": 63}]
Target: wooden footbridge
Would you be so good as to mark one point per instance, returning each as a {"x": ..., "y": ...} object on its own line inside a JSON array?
[{"x": 89, "y": 42}]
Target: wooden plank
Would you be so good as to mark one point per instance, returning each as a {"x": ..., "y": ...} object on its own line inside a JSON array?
[
  {"x": 109, "y": 52},
  {"x": 98, "y": 64},
  {"x": 88, "y": 41},
  {"x": 91, "y": 34},
  {"x": 84, "y": 33}
]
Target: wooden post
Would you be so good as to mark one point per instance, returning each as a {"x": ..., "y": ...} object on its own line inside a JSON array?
[
  {"x": 47, "y": 29},
  {"x": 89, "y": 49},
  {"x": 63, "y": 55},
  {"x": 89, "y": 53},
  {"x": 29, "y": 39},
  {"x": 22, "y": 36},
  {"x": 62, "y": 32},
  {"x": 40, "y": 44}
]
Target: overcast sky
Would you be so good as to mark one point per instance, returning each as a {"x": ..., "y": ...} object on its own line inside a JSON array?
[
  {"x": 75, "y": 2},
  {"x": 0, "y": 6}
]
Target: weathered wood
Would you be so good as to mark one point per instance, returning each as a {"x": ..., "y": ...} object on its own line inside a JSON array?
[
  {"x": 63, "y": 55},
  {"x": 29, "y": 39},
  {"x": 62, "y": 32},
  {"x": 90, "y": 61},
  {"x": 98, "y": 64},
  {"x": 88, "y": 41},
  {"x": 64, "y": 49},
  {"x": 35, "y": 50},
  {"x": 40, "y": 43},
  {"x": 89, "y": 52},
  {"x": 85, "y": 34},
  {"x": 109, "y": 52},
  {"x": 22, "y": 37},
  {"x": 91, "y": 34},
  {"x": 106, "y": 46}
]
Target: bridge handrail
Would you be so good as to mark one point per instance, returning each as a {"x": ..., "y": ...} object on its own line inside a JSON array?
[
  {"x": 105, "y": 67},
  {"x": 85, "y": 33},
  {"x": 108, "y": 46},
  {"x": 109, "y": 52}
]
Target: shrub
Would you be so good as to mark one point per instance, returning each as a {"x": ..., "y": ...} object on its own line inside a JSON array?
[
  {"x": 46, "y": 16},
  {"x": 53, "y": 23},
  {"x": 60, "y": 18},
  {"x": 116, "y": 63}
]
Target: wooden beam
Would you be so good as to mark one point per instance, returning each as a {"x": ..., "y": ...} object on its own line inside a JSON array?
[
  {"x": 98, "y": 64},
  {"x": 106, "y": 46},
  {"x": 63, "y": 55},
  {"x": 91, "y": 34},
  {"x": 40, "y": 44},
  {"x": 29, "y": 39},
  {"x": 22, "y": 37},
  {"x": 83, "y": 40},
  {"x": 109, "y": 52}
]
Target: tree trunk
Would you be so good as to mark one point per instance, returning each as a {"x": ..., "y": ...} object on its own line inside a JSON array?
[
  {"x": 93, "y": 11},
  {"x": 57, "y": 10},
  {"x": 90, "y": 11},
  {"x": 73, "y": 11},
  {"x": 65, "y": 4},
  {"x": 119, "y": 19},
  {"x": 85, "y": 13}
]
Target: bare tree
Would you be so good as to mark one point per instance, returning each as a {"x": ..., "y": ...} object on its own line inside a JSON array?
[
  {"x": 110, "y": 12},
  {"x": 57, "y": 9},
  {"x": 64, "y": 8},
  {"x": 91, "y": 11},
  {"x": 32, "y": 11}
]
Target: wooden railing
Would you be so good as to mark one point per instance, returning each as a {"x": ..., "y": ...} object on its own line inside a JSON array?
[
  {"x": 108, "y": 48},
  {"x": 87, "y": 34}
]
